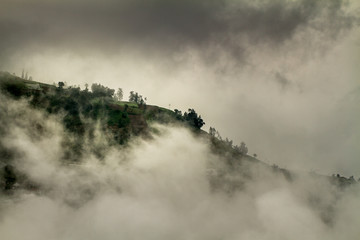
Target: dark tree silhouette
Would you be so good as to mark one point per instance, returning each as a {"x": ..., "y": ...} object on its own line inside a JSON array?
[
  {"x": 99, "y": 90},
  {"x": 61, "y": 85},
  {"x": 193, "y": 119},
  {"x": 137, "y": 98},
  {"x": 178, "y": 114}
]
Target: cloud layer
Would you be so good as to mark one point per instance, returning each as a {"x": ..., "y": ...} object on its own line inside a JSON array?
[
  {"x": 167, "y": 26},
  {"x": 279, "y": 75},
  {"x": 159, "y": 189}
]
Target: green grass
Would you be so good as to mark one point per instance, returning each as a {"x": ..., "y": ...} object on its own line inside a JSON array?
[
  {"x": 130, "y": 104},
  {"x": 132, "y": 109},
  {"x": 166, "y": 110}
]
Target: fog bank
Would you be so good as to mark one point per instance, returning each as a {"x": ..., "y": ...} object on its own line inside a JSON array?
[{"x": 158, "y": 188}]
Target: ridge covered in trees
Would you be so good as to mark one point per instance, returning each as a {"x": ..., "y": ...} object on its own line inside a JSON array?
[
  {"x": 83, "y": 111},
  {"x": 97, "y": 103}
]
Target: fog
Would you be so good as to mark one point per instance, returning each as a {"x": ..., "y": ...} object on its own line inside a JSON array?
[
  {"x": 157, "y": 188},
  {"x": 281, "y": 75}
]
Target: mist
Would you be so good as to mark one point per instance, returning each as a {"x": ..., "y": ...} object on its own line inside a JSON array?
[
  {"x": 279, "y": 75},
  {"x": 162, "y": 187}
]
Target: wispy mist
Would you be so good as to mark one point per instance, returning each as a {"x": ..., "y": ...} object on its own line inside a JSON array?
[{"x": 169, "y": 186}]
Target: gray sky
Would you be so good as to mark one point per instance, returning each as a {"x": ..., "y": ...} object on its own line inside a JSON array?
[{"x": 280, "y": 75}]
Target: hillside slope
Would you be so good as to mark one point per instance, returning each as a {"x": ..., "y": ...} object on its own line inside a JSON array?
[{"x": 84, "y": 114}]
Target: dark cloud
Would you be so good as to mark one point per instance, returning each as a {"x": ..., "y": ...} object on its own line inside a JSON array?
[
  {"x": 166, "y": 26},
  {"x": 282, "y": 80}
]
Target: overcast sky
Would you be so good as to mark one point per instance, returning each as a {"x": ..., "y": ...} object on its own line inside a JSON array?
[{"x": 283, "y": 76}]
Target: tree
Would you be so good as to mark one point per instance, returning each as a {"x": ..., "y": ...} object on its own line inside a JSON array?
[
  {"x": 243, "y": 149},
  {"x": 137, "y": 98},
  {"x": 119, "y": 94},
  {"x": 99, "y": 90},
  {"x": 178, "y": 115},
  {"x": 61, "y": 85},
  {"x": 133, "y": 97},
  {"x": 229, "y": 142},
  {"x": 193, "y": 119},
  {"x": 212, "y": 131}
]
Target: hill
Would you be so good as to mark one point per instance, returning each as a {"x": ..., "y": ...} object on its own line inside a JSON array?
[{"x": 86, "y": 113}]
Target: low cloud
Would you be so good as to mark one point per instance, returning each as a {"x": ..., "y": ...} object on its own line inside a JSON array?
[
  {"x": 159, "y": 189},
  {"x": 229, "y": 60}
]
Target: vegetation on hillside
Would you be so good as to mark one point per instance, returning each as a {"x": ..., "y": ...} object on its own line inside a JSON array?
[{"x": 83, "y": 112}]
